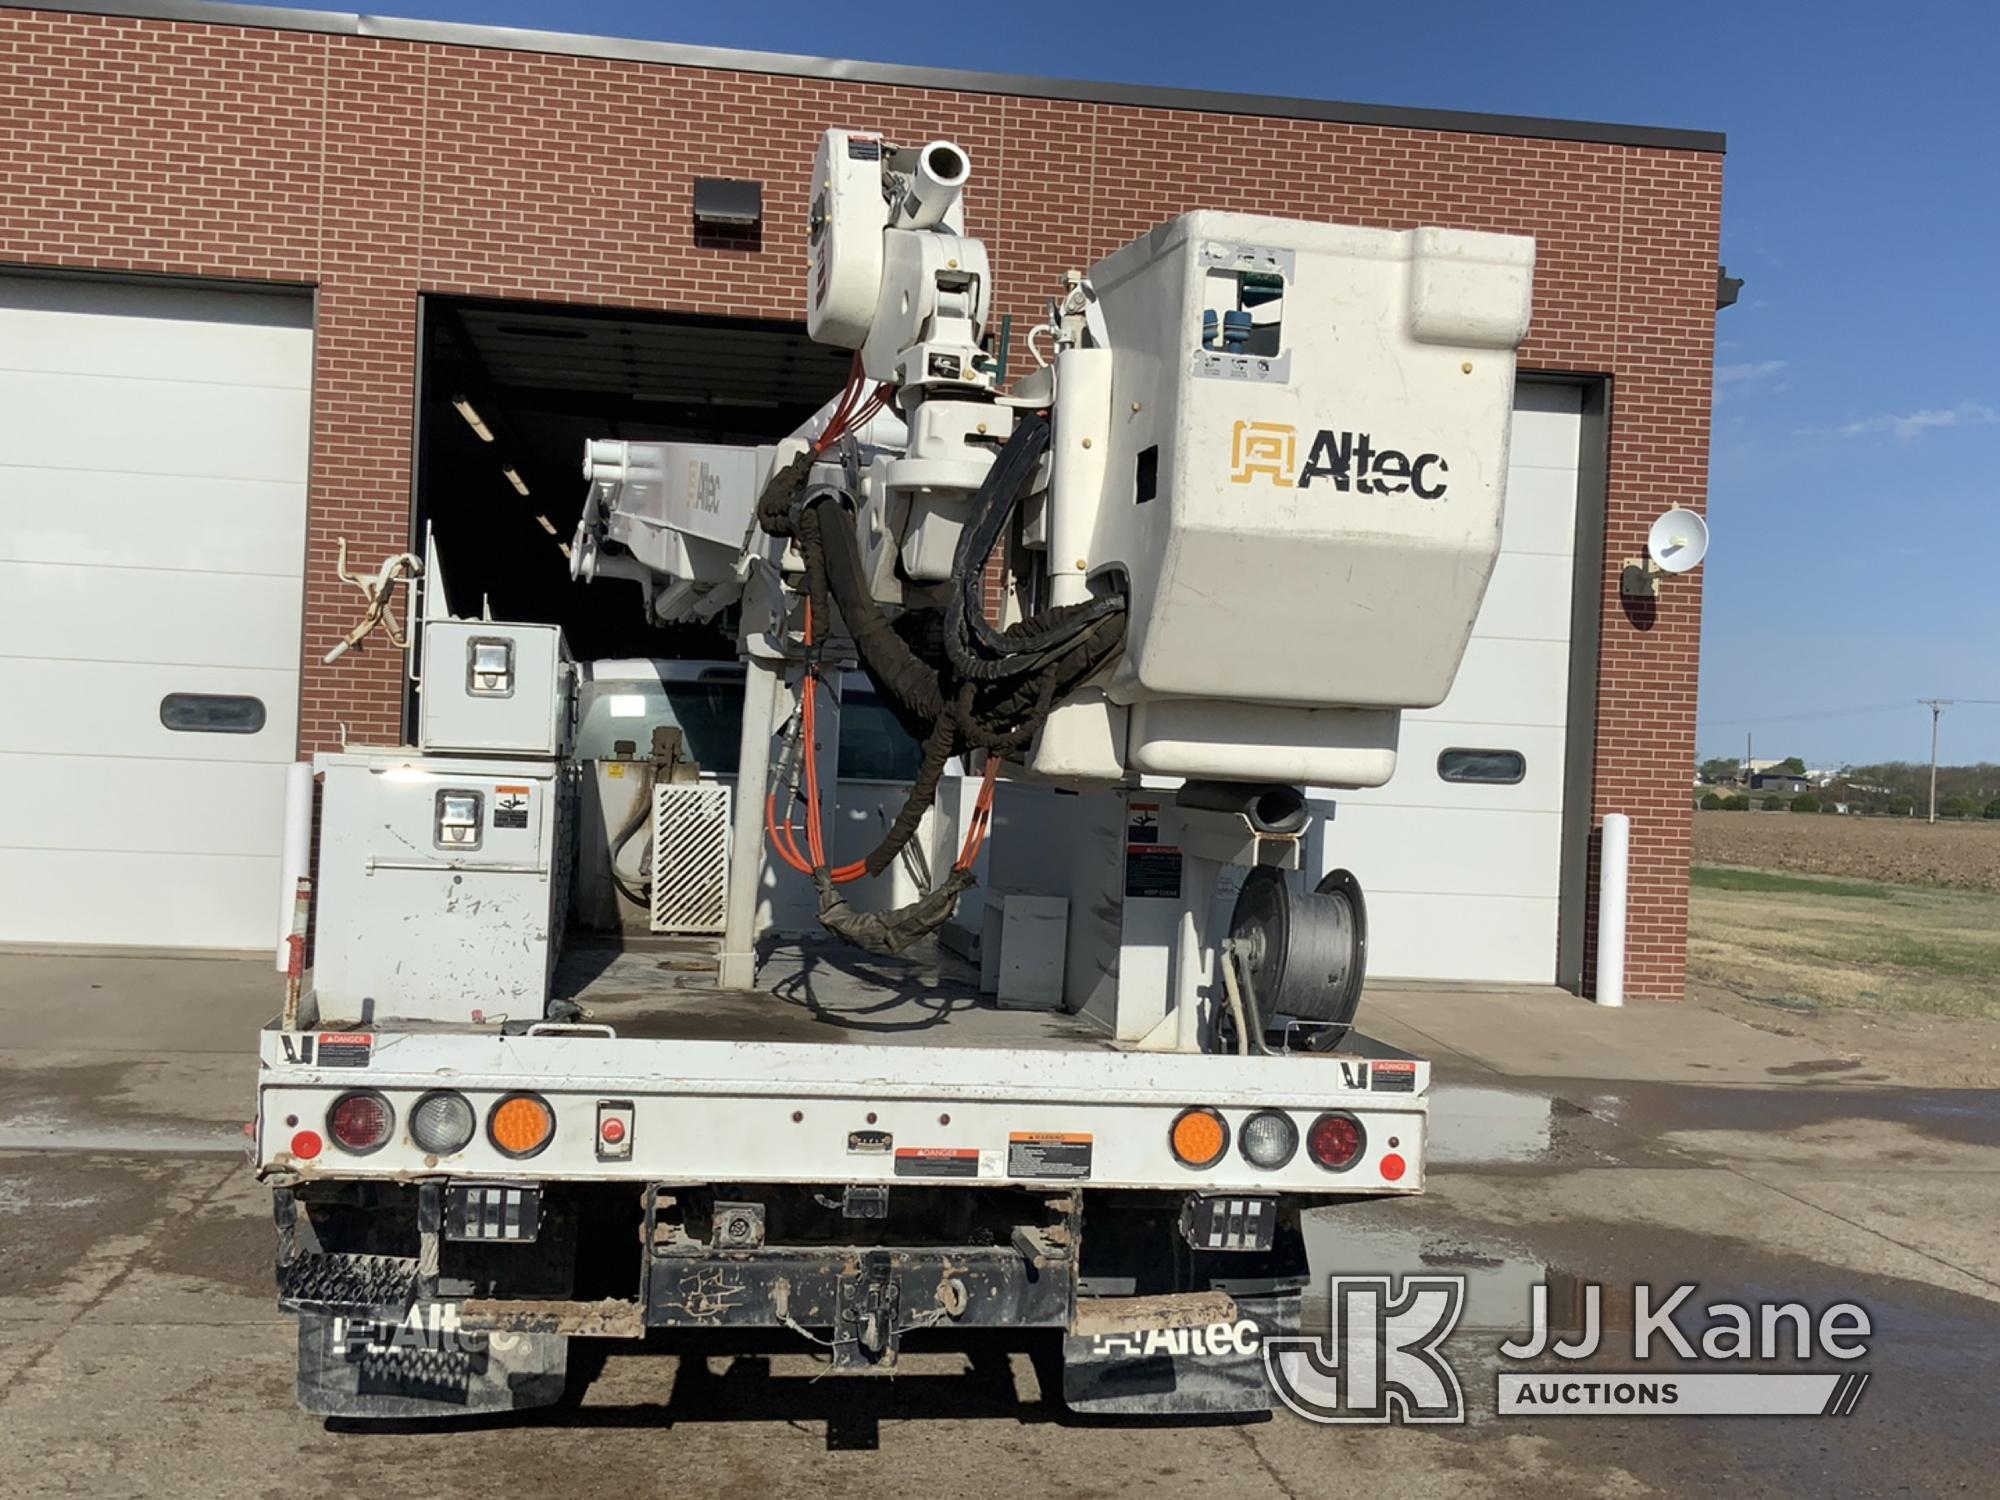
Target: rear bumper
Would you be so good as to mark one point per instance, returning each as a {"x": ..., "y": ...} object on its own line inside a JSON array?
[
  {"x": 837, "y": 1113},
  {"x": 397, "y": 1318}
]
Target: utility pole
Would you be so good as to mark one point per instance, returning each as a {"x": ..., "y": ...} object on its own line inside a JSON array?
[{"x": 1937, "y": 706}]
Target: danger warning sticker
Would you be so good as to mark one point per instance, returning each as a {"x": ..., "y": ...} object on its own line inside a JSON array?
[
  {"x": 510, "y": 806},
  {"x": 345, "y": 1049},
  {"x": 1152, "y": 870},
  {"x": 936, "y": 1161},
  {"x": 1049, "y": 1154},
  {"x": 1392, "y": 1077},
  {"x": 1142, "y": 823}
]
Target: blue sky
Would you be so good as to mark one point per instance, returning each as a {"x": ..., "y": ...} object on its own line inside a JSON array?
[{"x": 1853, "y": 486}]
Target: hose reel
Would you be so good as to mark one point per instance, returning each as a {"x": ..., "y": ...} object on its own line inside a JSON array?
[{"x": 1304, "y": 955}]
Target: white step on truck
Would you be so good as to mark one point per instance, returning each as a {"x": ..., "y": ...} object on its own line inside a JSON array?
[{"x": 1239, "y": 515}]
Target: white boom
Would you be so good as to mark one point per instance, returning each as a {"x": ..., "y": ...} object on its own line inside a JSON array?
[{"x": 1283, "y": 445}]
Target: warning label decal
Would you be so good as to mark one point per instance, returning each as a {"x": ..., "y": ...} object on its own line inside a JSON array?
[
  {"x": 510, "y": 806},
  {"x": 345, "y": 1049},
  {"x": 1048, "y": 1154},
  {"x": 1153, "y": 870},
  {"x": 936, "y": 1161},
  {"x": 1394, "y": 1077}
]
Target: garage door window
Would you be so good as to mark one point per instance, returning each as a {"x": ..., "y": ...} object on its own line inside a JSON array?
[
  {"x": 212, "y": 713},
  {"x": 1495, "y": 767}
]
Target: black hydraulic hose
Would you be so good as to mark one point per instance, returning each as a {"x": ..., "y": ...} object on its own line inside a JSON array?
[
  {"x": 993, "y": 690},
  {"x": 939, "y": 747},
  {"x": 833, "y": 572},
  {"x": 991, "y": 506},
  {"x": 1022, "y": 647}
]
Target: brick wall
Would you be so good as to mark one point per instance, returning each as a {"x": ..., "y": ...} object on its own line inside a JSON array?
[{"x": 376, "y": 169}]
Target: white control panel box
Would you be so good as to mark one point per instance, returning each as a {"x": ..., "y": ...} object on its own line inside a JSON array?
[
  {"x": 443, "y": 886},
  {"x": 495, "y": 689}
]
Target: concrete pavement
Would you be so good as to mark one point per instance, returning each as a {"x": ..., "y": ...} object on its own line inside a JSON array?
[{"x": 140, "y": 1353}]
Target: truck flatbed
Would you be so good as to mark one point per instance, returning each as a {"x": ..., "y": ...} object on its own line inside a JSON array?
[{"x": 814, "y": 991}]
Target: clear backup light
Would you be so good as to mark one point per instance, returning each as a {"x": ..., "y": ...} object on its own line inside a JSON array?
[
  {"x": 442, "y": 1123},
  {"x": 360, "y": 1122},
  {"x": 1268, "y": 1139}
]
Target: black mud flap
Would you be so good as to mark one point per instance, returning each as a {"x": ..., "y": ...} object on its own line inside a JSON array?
[
  {"x": 424, "y": 1366},
  {"x": 1212, "y": 1369}
]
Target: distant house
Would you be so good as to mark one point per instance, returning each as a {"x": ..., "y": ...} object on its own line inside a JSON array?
[{"x": 1777, "y": 781}]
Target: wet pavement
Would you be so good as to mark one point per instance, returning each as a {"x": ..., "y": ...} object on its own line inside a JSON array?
[{"x": 140, "y": 1353}]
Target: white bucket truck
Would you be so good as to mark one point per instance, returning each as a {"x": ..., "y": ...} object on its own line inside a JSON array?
[{"x": 1237, "y": 518}]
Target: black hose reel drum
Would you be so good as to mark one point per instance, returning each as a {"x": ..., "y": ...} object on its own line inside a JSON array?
[{"x": 1306, "y": 955}]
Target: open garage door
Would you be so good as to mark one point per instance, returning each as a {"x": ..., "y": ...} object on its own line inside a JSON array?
[
  {"x": 512, "y": 391},
  {"x": 153, "y": 452},
  {"x": 1461, "y": 853}
]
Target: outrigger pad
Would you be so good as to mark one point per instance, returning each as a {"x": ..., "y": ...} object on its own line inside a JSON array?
[
  {"x": 1213, "y": 1369},
  {"x": 424, "y": 1366}
]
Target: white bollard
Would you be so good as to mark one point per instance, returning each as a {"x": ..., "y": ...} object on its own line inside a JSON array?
[
  {"x": 296, "y": 852},
  {"x": 1613, "y": 869}
]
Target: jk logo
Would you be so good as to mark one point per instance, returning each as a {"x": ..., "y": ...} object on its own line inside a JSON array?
[{"x": 1382, "y": 1361}]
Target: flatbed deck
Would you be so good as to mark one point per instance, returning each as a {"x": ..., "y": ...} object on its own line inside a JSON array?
[
  {"x": 813, "y": 991},
  {"x": 773, "y": 1085}
]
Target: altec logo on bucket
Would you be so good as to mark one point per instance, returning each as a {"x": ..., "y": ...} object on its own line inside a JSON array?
[{"x": 1349, "y": 461}]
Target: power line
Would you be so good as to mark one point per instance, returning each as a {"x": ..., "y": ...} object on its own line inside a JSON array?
[
  {"x": 1833, "y": 713},
  {"x": 1812, "y": 713}
]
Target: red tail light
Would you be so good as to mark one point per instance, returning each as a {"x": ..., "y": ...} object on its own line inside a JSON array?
[
  {"x": 1336, "y": 1141},
  {"x": 360, "y": 1122}
]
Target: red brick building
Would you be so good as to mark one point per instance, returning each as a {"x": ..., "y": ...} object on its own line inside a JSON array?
[{"x": 394, "y": 166}]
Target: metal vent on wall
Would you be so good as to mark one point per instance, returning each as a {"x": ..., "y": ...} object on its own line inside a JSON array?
[{"x": 690, "y": 857}]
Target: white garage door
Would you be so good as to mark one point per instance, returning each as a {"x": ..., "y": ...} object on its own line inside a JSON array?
[
  {"x": 153, "y": 444},
  {"x": 1462, "y": 876}
]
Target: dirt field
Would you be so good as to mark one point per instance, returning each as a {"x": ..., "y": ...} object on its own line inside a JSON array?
[
  {"x": 1904, "y": 851},
  {"x": 1849, "y": 925},
  {"x": 1804, "y": 941}
]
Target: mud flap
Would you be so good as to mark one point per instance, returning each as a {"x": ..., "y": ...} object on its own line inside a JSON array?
[
  {"x": 1211, "y": 1369},
  {"x": 424, "y": 1366}
]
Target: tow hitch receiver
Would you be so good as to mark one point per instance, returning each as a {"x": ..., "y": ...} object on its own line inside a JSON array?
[{"x": 865, "y": 1323}]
